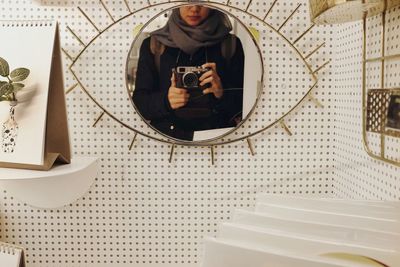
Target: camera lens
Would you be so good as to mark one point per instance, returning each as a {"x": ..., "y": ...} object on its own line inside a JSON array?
[{"x": 190, "y": 80}]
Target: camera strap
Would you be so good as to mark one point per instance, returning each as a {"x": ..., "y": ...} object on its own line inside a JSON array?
[
  {"x": 180, "y": 52},
  {"x": 228, "y": 48},
  {"x": 157, "y": 49}
]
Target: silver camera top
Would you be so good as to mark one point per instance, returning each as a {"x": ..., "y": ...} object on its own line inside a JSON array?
[
  {"x": 189, "y": 76},
  {"x": 184, "y": 70}
]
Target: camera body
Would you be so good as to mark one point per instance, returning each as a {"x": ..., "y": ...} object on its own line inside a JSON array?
[
  {"x": 189, "y": 77},
  {"x": 199, "y": 104}
]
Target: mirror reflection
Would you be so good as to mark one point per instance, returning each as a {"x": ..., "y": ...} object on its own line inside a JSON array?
[{"x": 194, "y": 73}]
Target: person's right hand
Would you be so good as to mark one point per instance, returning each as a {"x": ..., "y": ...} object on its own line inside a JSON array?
[{"x": 177, "y": 97}]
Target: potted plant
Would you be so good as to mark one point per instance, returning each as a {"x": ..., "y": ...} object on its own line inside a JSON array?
[{"x": 9, "y": 87}]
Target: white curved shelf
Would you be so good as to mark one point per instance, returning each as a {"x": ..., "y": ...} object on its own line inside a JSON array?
[{"x": 60, "y": 186}]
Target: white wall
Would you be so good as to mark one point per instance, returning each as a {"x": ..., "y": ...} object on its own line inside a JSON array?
[
  {"x": 142, "y": 210},
  {"x": 357, "y": 175}
]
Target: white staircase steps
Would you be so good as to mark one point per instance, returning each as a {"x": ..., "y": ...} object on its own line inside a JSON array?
[{"x": 291, "y": 231}]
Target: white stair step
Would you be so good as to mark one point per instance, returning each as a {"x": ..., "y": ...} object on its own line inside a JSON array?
[
  {"x": 294, "y": 243},
  {"x": 353, "y": 221},
  {"x": 225, "y": 253},
  {"x": 380, "y": 210},
  {"x": 333, "y": 232},
  {"x": 372, "y": 203}
]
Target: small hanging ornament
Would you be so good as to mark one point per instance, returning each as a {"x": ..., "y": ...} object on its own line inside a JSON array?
[{"x": 10, "y": 131}]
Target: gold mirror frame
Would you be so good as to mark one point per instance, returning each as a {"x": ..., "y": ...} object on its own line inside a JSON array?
[
  {"x": 260, "y": 89},
  {"x": 262, "y": 20}
]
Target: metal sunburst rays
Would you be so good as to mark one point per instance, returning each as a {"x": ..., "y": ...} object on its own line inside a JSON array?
[{"x": 263, "y": 20}]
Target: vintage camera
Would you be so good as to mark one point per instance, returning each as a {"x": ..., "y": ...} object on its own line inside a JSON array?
[
  {"x": 189, "y": 77},
  {"x": 199, "y": 104}
]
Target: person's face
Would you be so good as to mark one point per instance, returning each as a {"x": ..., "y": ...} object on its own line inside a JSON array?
[{"x": 194, "y": 15}]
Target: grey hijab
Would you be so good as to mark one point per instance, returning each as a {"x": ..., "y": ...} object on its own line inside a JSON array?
[{"x": 176, "y": 33}]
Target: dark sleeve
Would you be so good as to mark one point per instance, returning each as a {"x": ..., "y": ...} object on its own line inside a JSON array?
[
  {"x": 151, "y": 102},
  {"x": 231, "y": 103},
  {"x": 235, "y": 69}
]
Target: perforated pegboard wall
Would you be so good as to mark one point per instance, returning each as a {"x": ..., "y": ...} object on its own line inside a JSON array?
[
  {"x": 142, "y": 210},
  {"x": 357, "y": 175}
]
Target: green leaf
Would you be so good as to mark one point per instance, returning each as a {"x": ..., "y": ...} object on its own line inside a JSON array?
[
  {"x": 6, "y": 89},
  {"x": 3, "y": 89},
  {"x": 4, "y": 68},
  {"x": 17, "y": 87},
  {"x": 2, "y": 83},
  {"x": 19, "y": 74}
]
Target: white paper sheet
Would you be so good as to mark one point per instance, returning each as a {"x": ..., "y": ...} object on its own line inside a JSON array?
[
  {"x": 28, "y": 45},
  {"x": 9, "y": 256}
]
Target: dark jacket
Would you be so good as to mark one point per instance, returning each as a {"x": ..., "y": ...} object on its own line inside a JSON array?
[{"x": 151, "y": 89}]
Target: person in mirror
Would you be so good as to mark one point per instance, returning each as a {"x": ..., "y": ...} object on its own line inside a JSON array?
[{"x": 194, "y": 36}]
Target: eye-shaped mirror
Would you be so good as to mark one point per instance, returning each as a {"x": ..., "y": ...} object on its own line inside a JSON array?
[{"x": 194, "y": 73}]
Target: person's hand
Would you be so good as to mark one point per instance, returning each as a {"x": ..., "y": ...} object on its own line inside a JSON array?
[
  {"x": 177, "y": 97},
  {"x": 212, "y": 78}
]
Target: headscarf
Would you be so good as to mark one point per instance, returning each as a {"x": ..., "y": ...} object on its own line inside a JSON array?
[{"x": 176, "y": 33}]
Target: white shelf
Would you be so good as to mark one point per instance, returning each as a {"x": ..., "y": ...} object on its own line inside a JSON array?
[{"x": 60, "y": 186}]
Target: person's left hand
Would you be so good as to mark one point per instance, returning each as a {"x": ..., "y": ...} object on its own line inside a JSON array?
[{"x": 212, "y": 78}]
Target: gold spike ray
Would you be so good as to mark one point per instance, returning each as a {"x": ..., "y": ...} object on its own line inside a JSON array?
[
  {"x": 269, "y": 10},
  {"x": 285, "y": 127},
  {"x": 212, "y": 155},
  {"x": 314, "y": 51},
  {"x": 288, "y": 18},
  {"x": 127, "y": 6},
  {"x": 171, "y": 153},
  {"x": 87, "y": 17},
  {"x": 303, "y": 34},
  {"x": 316, "y": 102},
  {"x": 323, "y": 66},
  {"x": 133, "y": 141},
  {"x": 249, "y": 143},
  {"x": 248, "y": 5},
  {"x": 71, "y": 88},
  {"x": 98, "y": 119},
  {"x": 76, "y": 36},
  {"x": 108, "y": 11},
  {"x": 68, "y": 55}
]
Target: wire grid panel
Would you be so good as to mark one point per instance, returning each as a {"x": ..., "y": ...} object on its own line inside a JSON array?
[
  {"x": 142, "y": 210},
  {"x": 357, "y": 175},
  {"x": 377, "y": 108}
]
